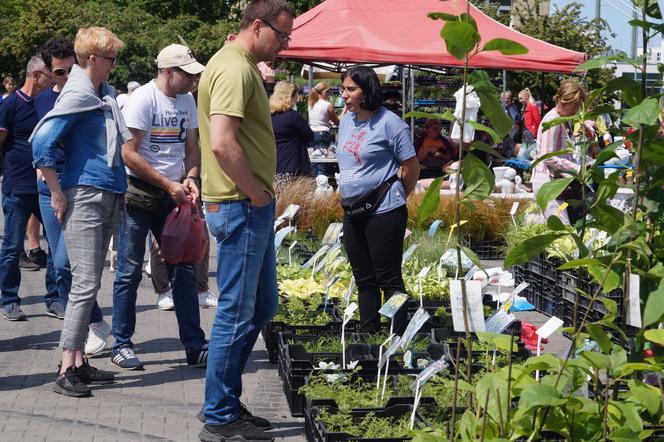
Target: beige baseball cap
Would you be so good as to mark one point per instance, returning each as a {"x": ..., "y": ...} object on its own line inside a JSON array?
[{"x": 179, "y": 56}]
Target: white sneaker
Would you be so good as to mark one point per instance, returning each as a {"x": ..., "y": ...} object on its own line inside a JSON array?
[
  {"x": 207, "y": 300},
  {"x": 97, "y": 336},
  {"x": 165, "y": 301},
  {"x": 148, "y": 269}
]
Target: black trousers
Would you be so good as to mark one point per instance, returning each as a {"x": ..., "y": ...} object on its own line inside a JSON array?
[{"x": 374, "y": 245}]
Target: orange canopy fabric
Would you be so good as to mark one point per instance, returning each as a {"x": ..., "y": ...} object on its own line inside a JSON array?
[{"x": 399, "y": 32}]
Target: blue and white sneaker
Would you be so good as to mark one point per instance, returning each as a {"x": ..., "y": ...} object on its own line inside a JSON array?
[
  {"x": 198, "y": 358},
  {"x": 125, "y": 358}
]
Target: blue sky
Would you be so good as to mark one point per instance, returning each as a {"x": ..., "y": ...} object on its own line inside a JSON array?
[{"x": 610, "y": 11}]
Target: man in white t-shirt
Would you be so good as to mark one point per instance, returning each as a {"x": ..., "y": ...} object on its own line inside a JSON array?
[{"x": 162, "y": 163}]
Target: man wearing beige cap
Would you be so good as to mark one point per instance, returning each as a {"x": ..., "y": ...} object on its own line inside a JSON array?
[{"x": 162, "y": 162}]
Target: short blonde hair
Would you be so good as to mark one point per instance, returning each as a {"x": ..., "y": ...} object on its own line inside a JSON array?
[
  {"x": 95, "y": 40},
  {"x": 570, "y": 92},
  {"x": 280, "y": 101}
]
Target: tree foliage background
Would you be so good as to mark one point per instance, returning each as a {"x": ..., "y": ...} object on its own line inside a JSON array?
[{"x": 148, "y": 25}]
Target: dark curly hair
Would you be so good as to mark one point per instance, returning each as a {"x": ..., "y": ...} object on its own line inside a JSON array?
[
  {"x": 367, "y": 80},
  {"x": 58, "y": 47}
]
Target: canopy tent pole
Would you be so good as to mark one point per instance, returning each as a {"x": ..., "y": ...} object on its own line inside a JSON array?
[
  {"x": 403, "y": 90},
  {"x": 412, "y": 102},
  {"x": 504, "y": 80},
  {"x": 311, "y": 77},
  {"x": 541, "y": 95}
]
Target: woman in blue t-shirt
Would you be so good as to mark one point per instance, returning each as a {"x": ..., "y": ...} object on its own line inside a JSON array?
[{"x": 374, "y": 144}]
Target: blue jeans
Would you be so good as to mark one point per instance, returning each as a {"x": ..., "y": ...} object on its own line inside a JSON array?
[
  {"x": 247, "y": 280},
  {"x": 58, "y": 257},
  {"x": 131, "y": 249},
  {"x": 321, "y": 140},
  {"x": 17, "y": 210}
]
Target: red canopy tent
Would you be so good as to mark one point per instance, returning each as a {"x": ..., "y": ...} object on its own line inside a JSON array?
[{"x": 399, "y": 32}]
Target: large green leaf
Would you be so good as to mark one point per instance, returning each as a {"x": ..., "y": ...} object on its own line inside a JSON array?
[
  {"x": 477, "y": 177},
  {"x": 493, "y": 110},
  {"x": 442, "y": 16},
  {"x": 429, "y": 202},
  {"x": 600, "y": 336},
  {"x": 505, "y": 47},
  {"x": 654, "y": 309},
  {"x": 645, "y": 395},
  {"x": 598, "y": 360},
  {"x": 655, "y": 335},
  {"x": 479, "y": 126},
  {"x": 605, "y": 191},
  {"x": 601, "y": 273},
  {"x": 460, "y": 38},
  {"x": 600, "y": 62},
  {"x": 530, "y": 248},
  {"x": 652, "y": 10},
  {"x": 550, "y": 191},
  {"x": 481, "y": 81},
  {"x": 539, "y": 395},
  {"x": 644, "y": 113},
  {"x": 554, "y": 223},
  {"x": 576, "y": 263},
  {"x": 630, "y": 414},
  {"x": 608, "y": 217}
]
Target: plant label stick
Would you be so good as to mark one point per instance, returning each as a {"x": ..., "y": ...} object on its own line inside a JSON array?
[
  {"x": 380, "y": 361},
  {"x": 453, "y": 226},
  {"x": 419, "y": 318},
  {"x": 349, "y": 292},
  {"x": 392, "y": 306},
  {"x": 348, "y": 315},
  {"x": 634, "y": 304},
  {"x": 544, "y": 332},
  {"x": 474, "y": 305},
  {"x": 332, "y": 233},
  {"x": 390, "y": 351},
  {"x": 423, "y": 378},
  {"x": 421, "y": 275},
  {"x": 312, "y": 261},
  {"x": 280, "y": 235},
  {"x": 290, "y": 253},
  {"x": 330, "y": 283},
  {"x": 513, "y": 210},
  {"x": 433, "y": 228},
  {"x": 408, "y": 253}
]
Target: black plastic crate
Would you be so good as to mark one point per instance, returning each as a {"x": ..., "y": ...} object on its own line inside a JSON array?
[
  {"x": 489, "y": 250},
  {"x": 271, "y": 331},
  {"x": 320, "y": 434},
  {"x": 295, "y": 364}
]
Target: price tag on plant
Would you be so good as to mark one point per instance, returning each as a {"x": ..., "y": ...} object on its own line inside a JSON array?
[
  {"x": 392, "y": 305},
  {"x": 515, "y": 207},
  {"x": 290, "y": 212},
  {"x": 281, "y": 234},
  {"x": 634, "y": 304},
  {"x": 433, "y": 228},
  {"x": 549, "y": 327},
  {"x": 349, "y": 292},
  {"x": 320, "y": 252},
  {"x": 420, "y": 276},
  {"x": 349, "y": 311},
  {"x": 332, "y": 233},
  {"x": 329, "y": 257},
  {"x": 429, "y": 372},
  {"x": 329, "y": 284},
  {"x": 290, "y": 253},
  {"x": 475, "y": 309},
  {"x": 390, "y": 351},
  {"x": 408, "y": 253},
  {"x": 499, "y": 321},
  {"x": 419, "y": 318}
]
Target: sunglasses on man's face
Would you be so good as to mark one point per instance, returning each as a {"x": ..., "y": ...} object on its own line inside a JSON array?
[{"x": 60, "y": 72}]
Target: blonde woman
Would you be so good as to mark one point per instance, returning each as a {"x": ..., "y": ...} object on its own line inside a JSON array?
[
  {"x": 532, "y": 116},
  {"x": 88, "y": 197},
  {"x": 568, "y": 101},
  {"x": 291, "y": 132},
  {"x": 321, "y": 114}
]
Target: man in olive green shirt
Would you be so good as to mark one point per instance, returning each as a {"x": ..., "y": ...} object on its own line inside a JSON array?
[{"x": 238, "y": 153}]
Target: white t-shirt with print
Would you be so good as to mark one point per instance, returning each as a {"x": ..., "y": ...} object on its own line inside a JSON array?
[{"x": 165, "y": 121}]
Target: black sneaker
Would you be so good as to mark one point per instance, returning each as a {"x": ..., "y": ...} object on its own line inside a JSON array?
[
  {"x": 197, "y": 358},
  {"x": 13, "y": 312},
  {"x": 258, "y": 422},
  {"x": 69, "y": 384},
  {"x": 238, "y": 430},
  {"x": 25, "y": 263},
  {"x": 92, "y": 376},
  {"x": 55, "y": 310},
  {"x": 38, "y": 256}
]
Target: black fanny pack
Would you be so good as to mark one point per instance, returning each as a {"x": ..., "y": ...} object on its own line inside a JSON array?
[
  {"x": 367, "y": 204},
  {"x": 143, "y": 195}
]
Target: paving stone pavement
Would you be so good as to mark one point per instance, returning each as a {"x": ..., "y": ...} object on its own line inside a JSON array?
[{"x": 159, "y": 403}]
